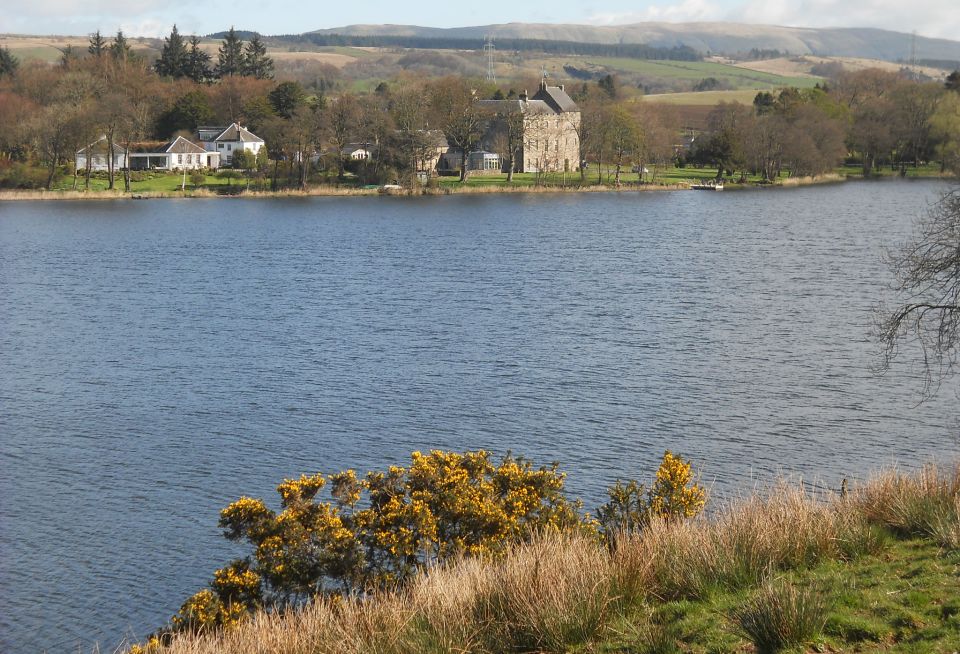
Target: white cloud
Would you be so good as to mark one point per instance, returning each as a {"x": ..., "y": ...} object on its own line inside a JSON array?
[
  {"x": 934, "y": 18},
  {"x": 686, "y": 11}
]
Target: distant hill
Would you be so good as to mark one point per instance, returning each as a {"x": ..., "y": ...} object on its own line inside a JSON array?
[{"x": 714, "y": 38}]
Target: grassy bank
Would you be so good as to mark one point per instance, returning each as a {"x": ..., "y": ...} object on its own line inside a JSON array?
[
  {"x": 875, "y": 569},
  {"x": 666, "y": 179}
]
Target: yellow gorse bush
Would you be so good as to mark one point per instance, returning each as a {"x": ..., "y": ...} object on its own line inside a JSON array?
[
  {"x": 377, "y": 531},
  {"x": 675, "y": 494}
]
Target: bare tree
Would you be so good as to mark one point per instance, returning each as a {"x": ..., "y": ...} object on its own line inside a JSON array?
[
  {"x": 927, "y": 318},
  {"x": 344, "y": 119},
  {"x": 624, "y": 137},
  {"x": 508, "y": 141},
  {"x": 454, "y": 105}
]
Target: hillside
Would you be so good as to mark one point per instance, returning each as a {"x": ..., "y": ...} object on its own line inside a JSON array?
[{"x": 717, "y": 38}]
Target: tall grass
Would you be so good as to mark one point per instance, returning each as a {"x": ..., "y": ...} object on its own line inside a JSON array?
[
  {"x": 924, "y": 504},
  {"x": 780, "y": 615},
  {"x": 560, "y": 591}
]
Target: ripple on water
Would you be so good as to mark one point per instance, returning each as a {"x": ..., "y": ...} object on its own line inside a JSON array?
[{"x": 163, "y": 358}]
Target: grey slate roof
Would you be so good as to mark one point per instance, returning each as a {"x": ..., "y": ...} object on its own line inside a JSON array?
[
  {"x": 557, "y": 98},
  {"x": 236, "y": 133},
  {"x": 181, "y": 145}
]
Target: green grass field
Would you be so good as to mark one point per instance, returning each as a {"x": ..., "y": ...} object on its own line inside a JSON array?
[
  {"x": 904, "y": 600},
  {"x": 737, "y": 78},
  {"x": 154, "y": 183}
]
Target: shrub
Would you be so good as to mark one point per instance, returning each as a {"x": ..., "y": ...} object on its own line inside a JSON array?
[
  {"x": 674, "y": 495},
  {"x": 378, "y": 531},
  {"x": 780, "y": 615},
  {"x": 18, "y": 175}
]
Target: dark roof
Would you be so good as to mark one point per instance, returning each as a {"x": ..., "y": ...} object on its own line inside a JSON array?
[
  {"x": 148, "y": 147},
  {"x": 557, "y": 98},
  {"x": 500, "y": 106},
  {"x": 435, "y": 138}
]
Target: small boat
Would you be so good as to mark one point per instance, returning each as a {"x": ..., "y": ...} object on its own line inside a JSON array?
[
  {"x": 390, "y": 189},
  {"x": 711, "y": 185}
]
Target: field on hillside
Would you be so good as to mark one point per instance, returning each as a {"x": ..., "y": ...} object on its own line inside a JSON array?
[
  {"x": 50, "y": 48},
  {"x": 736, "y": 77},
  {"x": 703, "y": 98},
  {"x": 802, "y": 66}
]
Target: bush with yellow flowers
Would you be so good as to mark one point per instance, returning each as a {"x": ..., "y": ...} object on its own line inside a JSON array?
[
  {"x": 377, "y": 531},
  {"x": 675, "y": 494},
  {"x": 344, "y": 534}
]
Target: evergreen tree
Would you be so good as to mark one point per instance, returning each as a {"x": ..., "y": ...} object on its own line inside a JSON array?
[
  {"x": 230, "y": 56},
  {"x": 98, "y": 44},
  {"x": 198, "y": 62},
  {"x": 8, "y": 63},
  {"x": 953, "y": 81},
  {"x": 287, "y": 98},
  {"x": 173, "y": 57},
  {"x": 120, "y": 49},
  {"x": 256, "y": 63},
  {"x": 187, "y": 113},
  {"x": 68, "y": 56}
]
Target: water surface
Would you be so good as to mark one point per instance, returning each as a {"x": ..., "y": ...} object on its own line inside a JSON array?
[{"x": 159, "y": 359}]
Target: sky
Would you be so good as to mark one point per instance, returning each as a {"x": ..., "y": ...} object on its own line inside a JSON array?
[{"x": 934, "y": 18}]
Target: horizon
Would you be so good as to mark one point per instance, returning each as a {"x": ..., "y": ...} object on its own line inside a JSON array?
[{"x": 152, "y": 18}]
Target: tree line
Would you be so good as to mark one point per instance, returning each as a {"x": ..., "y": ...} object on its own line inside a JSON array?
[
  {"x": 47, "y": 113},
  {"x": 868, "y": 118},
  {"x": 551, "y": 46}
]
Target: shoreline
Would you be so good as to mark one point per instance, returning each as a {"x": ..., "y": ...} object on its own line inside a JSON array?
[{"x": 337, "y": 191}]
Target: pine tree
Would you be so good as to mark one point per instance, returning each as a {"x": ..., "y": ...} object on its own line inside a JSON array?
[
  {"x": 120, "y": 49},
  {"x": 230, "y": 55},
  {"x": 98, "y": 44},
  {"x": 8, "y": 63},
  {"x": 256, "y": 63},
  {"x": 198, "y": 62},
  {"x": 173, "y": 56}
]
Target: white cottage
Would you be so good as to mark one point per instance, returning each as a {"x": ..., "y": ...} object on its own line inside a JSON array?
[
  {"x": 227, "y": 140},
  {"x": 96, "y": 154},
  {"x": 178, "y": 154}
]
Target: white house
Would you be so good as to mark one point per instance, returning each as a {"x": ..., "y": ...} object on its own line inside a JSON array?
[
  {"x": 96, "y": 152},
  {"x": 357, "y": 151},
  {"x": 227, "y": 140},
  {"x": 178, "y": 154}
]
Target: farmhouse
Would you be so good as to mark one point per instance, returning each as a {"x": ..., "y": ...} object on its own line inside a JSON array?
[{"x": 227, "y": 140}]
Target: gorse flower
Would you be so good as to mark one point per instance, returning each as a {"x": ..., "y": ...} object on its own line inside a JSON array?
[
  {"x": 674, "y": 495},
  {"x": 379, "y": 530}
]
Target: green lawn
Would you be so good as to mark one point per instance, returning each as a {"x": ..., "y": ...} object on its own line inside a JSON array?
[
  {"x": 670, "y": 175},
  {"x": 153, "y": 183},
  {"x": 904, "y": 599},
  {"x": 170, "y": 182}
]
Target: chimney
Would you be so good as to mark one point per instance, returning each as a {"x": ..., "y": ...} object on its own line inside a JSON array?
[
  {"x": 524, "y": 95},
  {"x": 561, "y": 87}
]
